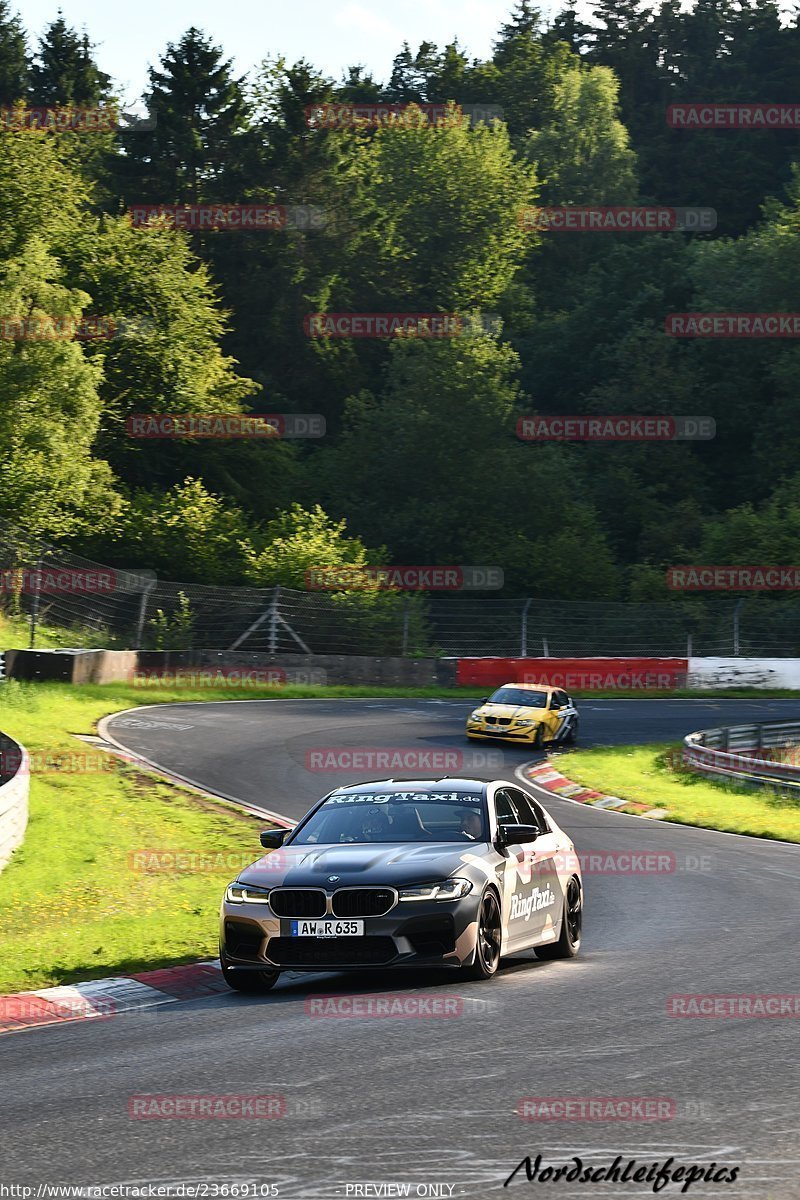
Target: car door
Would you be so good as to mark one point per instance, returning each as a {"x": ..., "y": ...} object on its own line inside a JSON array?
[
  {"x": 535, "y": 901},
  {"x": 561, "y": 714},
  {"x": 529, "y": 896}
]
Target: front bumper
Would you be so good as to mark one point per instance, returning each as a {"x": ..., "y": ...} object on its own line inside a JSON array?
[
  {"x": 502, "y": 733},
  {"x": 424, "y": 934}
]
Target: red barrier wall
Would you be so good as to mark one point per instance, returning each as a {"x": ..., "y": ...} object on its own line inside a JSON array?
[{"x": 580, "y": 674}]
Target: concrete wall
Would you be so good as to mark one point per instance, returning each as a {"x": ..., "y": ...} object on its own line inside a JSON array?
[
  {"x": 71, "y": 666},
  {"x": 110, "y": 666},
  {"x": 744, "y": 672},
  {"x": 13, "y": 798}
]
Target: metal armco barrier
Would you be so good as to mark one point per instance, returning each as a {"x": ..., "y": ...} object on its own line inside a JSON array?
[{"x": 746, "y": 753}]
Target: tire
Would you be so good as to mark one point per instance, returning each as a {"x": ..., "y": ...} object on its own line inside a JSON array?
[
  {"x": 569, "y": 942},
  {"x": 538, "y": 739},
  {"x": 253, "y": 982},
  {"x": 487, "y": 951}
]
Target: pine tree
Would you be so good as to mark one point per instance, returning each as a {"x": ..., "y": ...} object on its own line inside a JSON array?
[
  {"x": 64, "y": 70},
  {"x": 13, "y": 57},
  {"x": 195, "y": 151}
]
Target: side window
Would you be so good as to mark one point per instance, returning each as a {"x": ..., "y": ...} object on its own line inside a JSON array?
[
  {"x": 563, "y": 699},
  {"x": 526, "y": 814},
  {"x": 504, "y": 809}
]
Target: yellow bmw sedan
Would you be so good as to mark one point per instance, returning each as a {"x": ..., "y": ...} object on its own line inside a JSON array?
[{"x": 527, "y": 713}]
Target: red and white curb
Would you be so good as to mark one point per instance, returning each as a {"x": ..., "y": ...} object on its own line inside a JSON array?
[
  {"x": 100, "y": 999},
  {"x": 546, "y": 775}
]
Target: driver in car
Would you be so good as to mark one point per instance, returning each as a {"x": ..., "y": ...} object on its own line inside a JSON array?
[
  {"x": 374, "y": 826},
  {"x": 471, "y": 825}
]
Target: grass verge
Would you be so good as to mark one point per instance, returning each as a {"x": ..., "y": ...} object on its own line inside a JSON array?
[
  {"x": 650, "y": 775},
  {"x": 79, "y": 899}
]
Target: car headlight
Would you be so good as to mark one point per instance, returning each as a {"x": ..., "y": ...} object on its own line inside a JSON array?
[
  {"x": 475, "y": 716},
  {"x": 245, "y": 893},
  {"x": 448, "y": 889},
  {"x": 525, "y": 724}
]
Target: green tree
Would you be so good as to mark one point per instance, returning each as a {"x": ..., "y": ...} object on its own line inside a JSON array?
[
  {"x": 196, "y": 150},
  {"x": 436, "y": 224},
  {"x": 167, "y": 357},
  {"x": 50, "y": 404},
  {"x": 301, "y": 540},
  {"x": 527, "y": 65},
  {"x": 13, "y": 57},
  {"x": 583, "y": 154},
  {"x": 186, "y": 533},
  {"x": 64, "y": 70},
  {"x": 431, "y": 461}
]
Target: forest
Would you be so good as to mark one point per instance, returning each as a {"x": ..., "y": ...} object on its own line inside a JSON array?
[{"x": 420, "y": 462}]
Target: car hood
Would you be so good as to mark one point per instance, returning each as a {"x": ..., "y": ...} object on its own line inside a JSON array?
[
  {"x": 511, "y": 710},
  {"x": 373, "y": 864}
]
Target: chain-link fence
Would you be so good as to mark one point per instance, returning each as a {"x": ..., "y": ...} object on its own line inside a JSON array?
[{"x": 50, "y": 597}]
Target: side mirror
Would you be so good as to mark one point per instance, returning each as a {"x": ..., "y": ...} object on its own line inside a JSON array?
[
  {"x": 273, "y": 839},
  {"x": 483, "y": 700},
  {"x": 517, "y": 835}
]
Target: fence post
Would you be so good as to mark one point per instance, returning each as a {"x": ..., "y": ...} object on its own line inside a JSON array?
[
  {"x": 146, "y": 590},
  {"x": 35, "y": 601},
  {"x": 273, "y": 620},
  {"x": 406, "y": 605},
  {"x": 736, "y": 611},
  {"x": 523, "y": 649},
  {"x": 688, "y": 645}
]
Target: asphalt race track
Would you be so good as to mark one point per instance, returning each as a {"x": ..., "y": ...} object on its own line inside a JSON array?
[{"x": 429, "y": 1102}]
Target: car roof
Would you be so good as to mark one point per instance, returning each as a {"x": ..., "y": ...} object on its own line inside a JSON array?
[
  {"x": 533, "y": 687},
  {"x": 418, "y": 785}
]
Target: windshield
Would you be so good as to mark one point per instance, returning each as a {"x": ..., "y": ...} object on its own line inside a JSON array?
[
  {"x": 396, "y": 817},
  {"x": 512, "y": 695}
]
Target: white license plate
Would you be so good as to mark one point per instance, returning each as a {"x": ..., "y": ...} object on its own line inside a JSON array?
[{"x": 327, "y": 929}]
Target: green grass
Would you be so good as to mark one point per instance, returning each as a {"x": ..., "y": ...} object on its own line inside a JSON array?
[
  {"x": 74, "y": 903},
  {"x": 15, "y": 635},
  {"x": 653, "y": 775}
]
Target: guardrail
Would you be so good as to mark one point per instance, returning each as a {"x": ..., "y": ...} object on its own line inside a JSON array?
[
  {"x": 13, "y": 797},
  {"x": 743, "y": 752}
]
